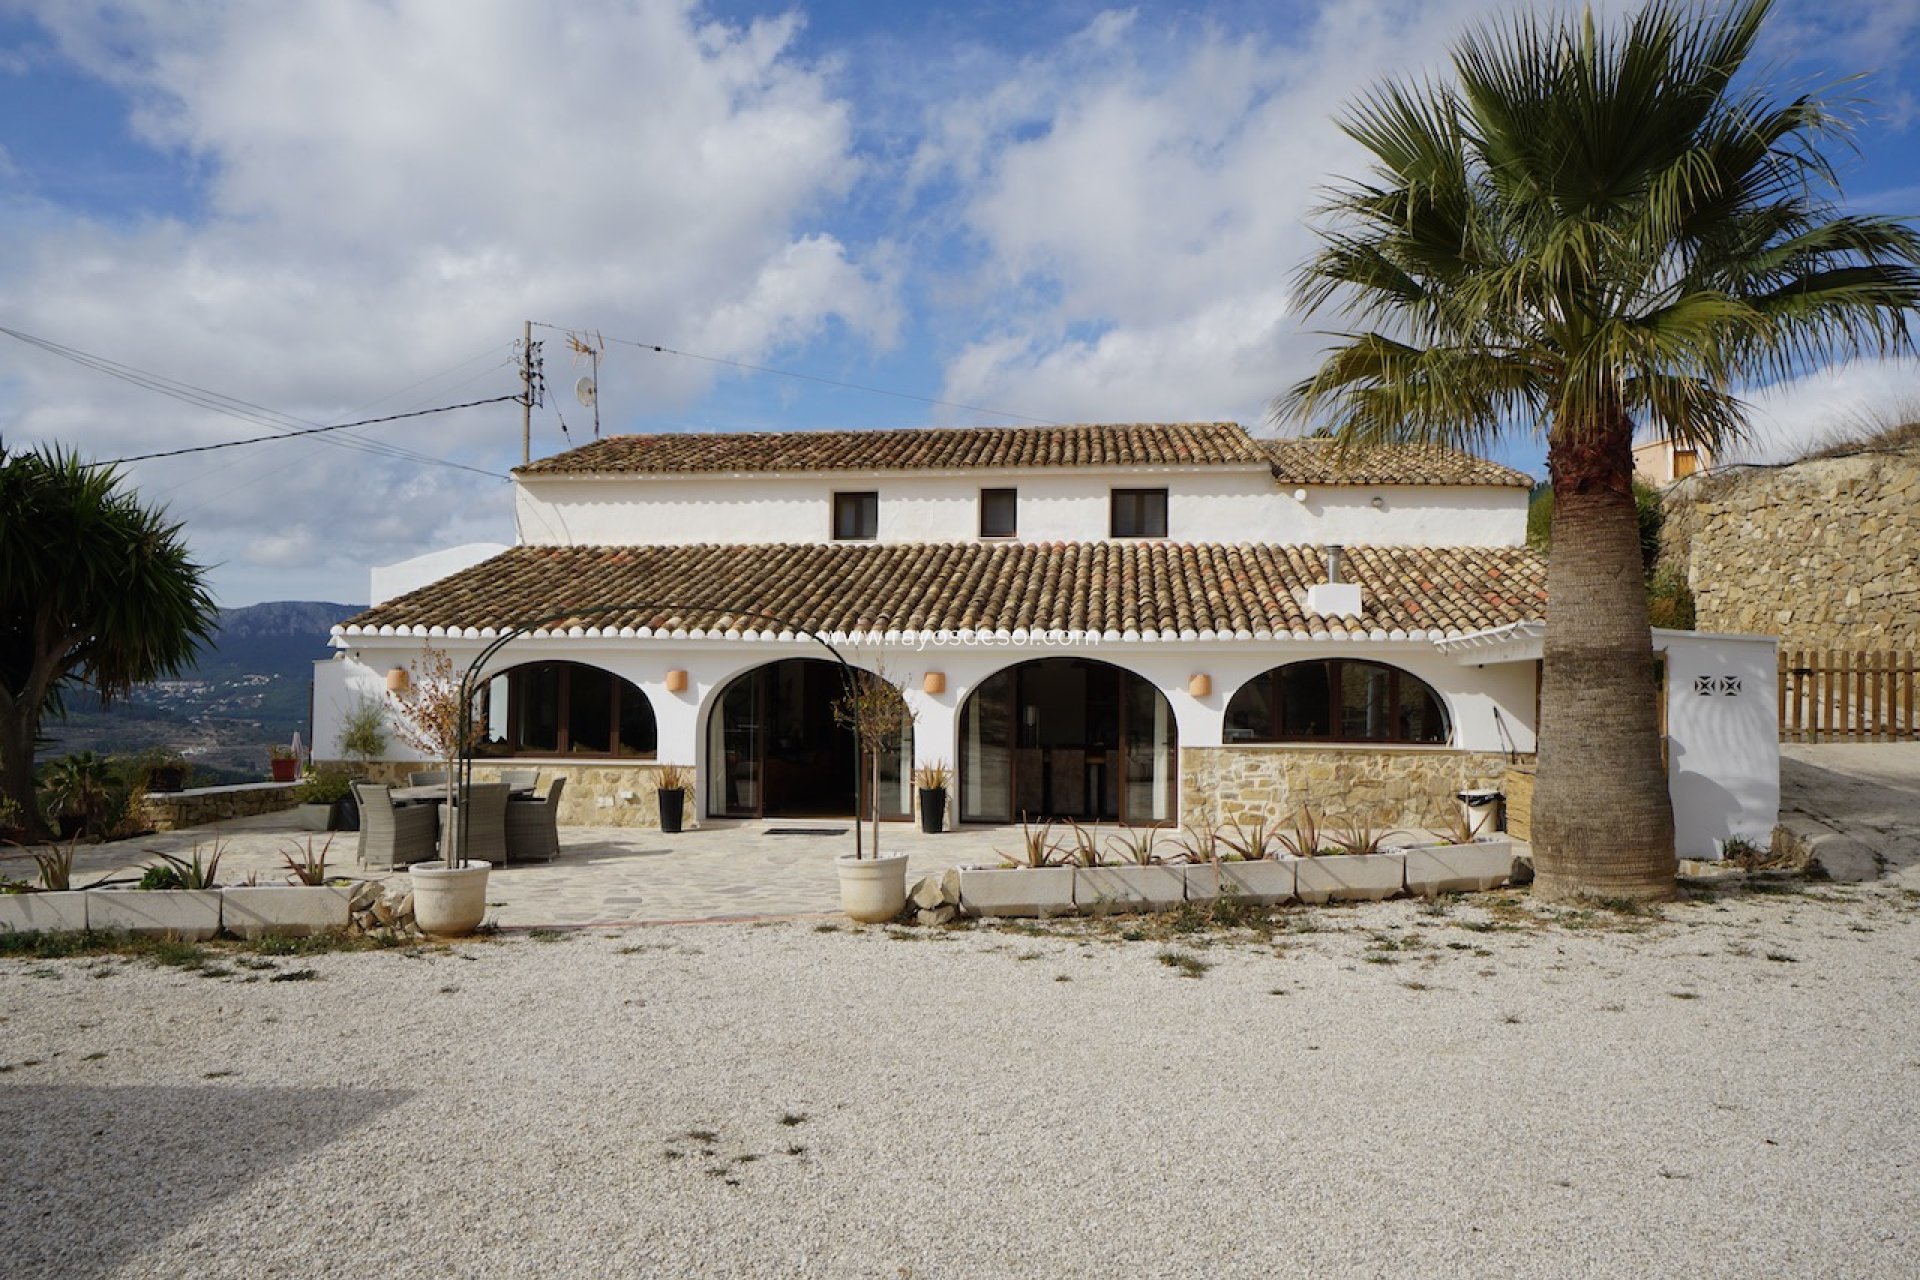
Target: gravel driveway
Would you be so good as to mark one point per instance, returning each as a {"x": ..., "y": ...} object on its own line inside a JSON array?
[{"x": 1730, "y": 1090}]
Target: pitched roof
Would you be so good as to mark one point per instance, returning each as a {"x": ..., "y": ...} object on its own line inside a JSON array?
[
  {"x": 1153, "y": 589},
  {"x": 1139, "y": 444},
  {"x": 1320, "y": 462}
]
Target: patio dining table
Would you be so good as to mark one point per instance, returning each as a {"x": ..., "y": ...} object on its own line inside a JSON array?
[{"x": 436, "y": 793}]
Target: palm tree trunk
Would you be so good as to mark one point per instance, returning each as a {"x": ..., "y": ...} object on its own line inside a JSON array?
[
  {"x": 1602, "y": 819},
  {"x": 16, "y": 776}
]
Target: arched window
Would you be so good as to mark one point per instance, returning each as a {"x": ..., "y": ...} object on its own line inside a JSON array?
[
  {"x": 1336, "y": 700},
  {"x": 567, "y": 708}
]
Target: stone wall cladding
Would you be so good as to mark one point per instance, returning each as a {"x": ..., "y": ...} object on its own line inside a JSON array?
[
  {"x": 175, "y": 810},
  {"x": 1408, "y": 788},
  {"x": 580, "y": 803},
  {"x": 1824, "y": 554}
]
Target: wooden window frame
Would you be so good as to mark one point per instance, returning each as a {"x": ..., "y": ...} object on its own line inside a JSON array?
[
  {"x": 514, "y": 748},
  {"x": 863, "y": 497},
  {"x": 1136, "y": 497},
  {"x": 1334, "y": 707},
  {"x": 1012, "y": 496}
]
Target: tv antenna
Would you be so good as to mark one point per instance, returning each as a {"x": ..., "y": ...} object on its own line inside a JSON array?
[{"x": 587, "y": 389}]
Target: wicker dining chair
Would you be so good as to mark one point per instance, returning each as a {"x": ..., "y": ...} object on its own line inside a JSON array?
[
  {"x": 394, "y": 835},
  {"x": 533, "y": 826},
  {"x": 521, "y": 779},
  {"x": 484, "y": 804},
  {"x": 427, "y": 778}
]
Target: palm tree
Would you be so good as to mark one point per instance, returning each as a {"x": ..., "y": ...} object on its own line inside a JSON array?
[
  {"x": 1581, "y": 230},
  {"x": 95, "y": 590}
]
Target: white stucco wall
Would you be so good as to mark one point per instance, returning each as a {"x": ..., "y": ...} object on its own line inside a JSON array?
[
  {"x": 1723, "y": 738},
  {"x": 1491, "y": 708},
  {"x": 1221, "y": 505}
]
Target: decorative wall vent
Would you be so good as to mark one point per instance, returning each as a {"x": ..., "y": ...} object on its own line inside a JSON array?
[{"x": 1724, "y": 686}]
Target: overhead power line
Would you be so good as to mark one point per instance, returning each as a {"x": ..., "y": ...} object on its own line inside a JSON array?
[
  {"x": 310, "y": 431},
  {"x": 286, "y": 426},
  {"x": 657, "y": 349}
]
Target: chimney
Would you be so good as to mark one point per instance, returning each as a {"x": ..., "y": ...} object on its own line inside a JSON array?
[{"x": 1334, "y": 597}]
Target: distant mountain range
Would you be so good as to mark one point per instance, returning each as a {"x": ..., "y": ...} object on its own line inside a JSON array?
[{"x": 251, "y": 689}]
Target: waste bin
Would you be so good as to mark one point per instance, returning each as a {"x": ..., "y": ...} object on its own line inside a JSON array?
[{"x": 1485, "y": 810}]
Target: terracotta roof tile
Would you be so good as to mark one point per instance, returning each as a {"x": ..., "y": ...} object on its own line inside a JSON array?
[
  {"x": 1320, "y": 462},
  {"x": 1093, "y": 586},
  {"x": 1141, "y": 444}
]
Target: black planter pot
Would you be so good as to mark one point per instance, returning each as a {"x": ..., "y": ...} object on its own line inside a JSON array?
[
  {"x": 673, "y": 810},
  {"x": 345, "y": 815},
  {"x": 933, "y": 810}
]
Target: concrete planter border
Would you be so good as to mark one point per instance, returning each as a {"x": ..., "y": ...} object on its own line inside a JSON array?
[
  {"x": 64, "y": 912},
  {"x": 1346, "y": 877},
  {"x": 1263, "y": 883},
  {"x": 191, "y": 914},
  {"x": 1016, "y": 891},
  {"x": 1459, "y": 868},
  {"x": 289, "y": 910},
  {"x": 1128, "y": 888}
]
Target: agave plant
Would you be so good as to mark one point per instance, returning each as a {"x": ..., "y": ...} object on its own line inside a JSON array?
[
  {"x": 1039, "y": 847},
  {"x": 308, "y": 868},
  {"x": 1356, "y": 834},
  {"x": 1459, "y": 828},
  {"x": 1134, "y": 846},
  {"x": 1253, "y": 842},
  {"x": 1199, "y": 840},
  {"x": 56, "y": 866},
  {"x": 1083, "y": 849},
  {"x": 189, "y": 873},
  {"x": 1304, "y": 840}
]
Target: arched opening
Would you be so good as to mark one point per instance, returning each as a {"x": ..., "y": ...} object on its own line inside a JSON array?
[
  {"x": 1067, "y": 738},
  {"x": 567, "y": 709},
  {"x": 1336, "y": 700},
  {"x": 776, "y": 750}
]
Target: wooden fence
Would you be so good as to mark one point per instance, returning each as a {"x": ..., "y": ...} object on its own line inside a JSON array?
[{"x": 1836, "y": 696}]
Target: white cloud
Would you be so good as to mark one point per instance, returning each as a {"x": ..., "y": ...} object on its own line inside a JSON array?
[
  {"x": 389, "y": 190},
  {"x": 1823, "y": 407},
  {"x": 1139, "y": 197}
]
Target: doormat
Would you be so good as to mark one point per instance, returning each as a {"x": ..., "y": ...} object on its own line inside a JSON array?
[{"x": 806, "y": 831}]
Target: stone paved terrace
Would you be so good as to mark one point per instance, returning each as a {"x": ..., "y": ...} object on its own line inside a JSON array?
[{"x": 605, "y": 875}]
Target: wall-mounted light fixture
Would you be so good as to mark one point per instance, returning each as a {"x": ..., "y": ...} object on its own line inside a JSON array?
[
  {"x": 934, "y": 682},
  {"x": 1299, "y": 495},
  {"x": 676, "y": 681},
  {"x": 1200, "y": 685},
  {"x": 1379, "y": 503},
  {"x": 399, "y": 680}
]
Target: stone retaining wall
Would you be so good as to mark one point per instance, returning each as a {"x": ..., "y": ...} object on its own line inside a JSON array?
[
  {"x": 600, "y": 794},
  {"x": 1824, "y": 554},
  {"x": 197, "y": 806},
  {"x": 1405, "y": 787}
]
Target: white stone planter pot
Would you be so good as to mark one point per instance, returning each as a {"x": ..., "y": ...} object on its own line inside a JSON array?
[
  {"x": 449, "y": 902},
  {"x": 1459, "y": 868},
  {"x": 312, "y": 817},
  {"x": 1097, "y": 889},
  {"x": 1016, "y": 891},
  {"x": 1346, "y": 877},
  {"x": 1262, "y": 883},
  {"x": 64, "y": 912},
  {"x": 872, "y": 890},
  {"x": 291, "y": 910},
  {"x": 192, "y": 914}
]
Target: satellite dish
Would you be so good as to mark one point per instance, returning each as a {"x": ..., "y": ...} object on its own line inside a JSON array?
[{"x": 584, "y": 390}]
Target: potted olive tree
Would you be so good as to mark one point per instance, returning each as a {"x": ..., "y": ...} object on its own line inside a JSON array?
[
  {"x": 449, "y": 896},
  {"x": 363, "y": 740},
  {"x": 875, "y": 709}
]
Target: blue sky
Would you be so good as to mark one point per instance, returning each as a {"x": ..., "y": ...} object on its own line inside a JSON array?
[{"x": 1067, "y": 212}]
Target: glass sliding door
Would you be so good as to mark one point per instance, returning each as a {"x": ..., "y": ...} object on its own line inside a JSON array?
[
  {"x": 1067, "y": 738},
  {"x": 776, "y": 749}
]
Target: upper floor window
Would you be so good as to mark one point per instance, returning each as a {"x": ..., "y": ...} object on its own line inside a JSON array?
[
  {"x": 1139, "y": 513},
  {"x": 999, "y": 513},
  {"x": 1336, "y": 700},
  {"x": 856, "y": 517}
]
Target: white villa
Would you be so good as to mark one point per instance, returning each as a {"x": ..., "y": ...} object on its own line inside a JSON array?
[{"x": 1143, "y": 623}]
